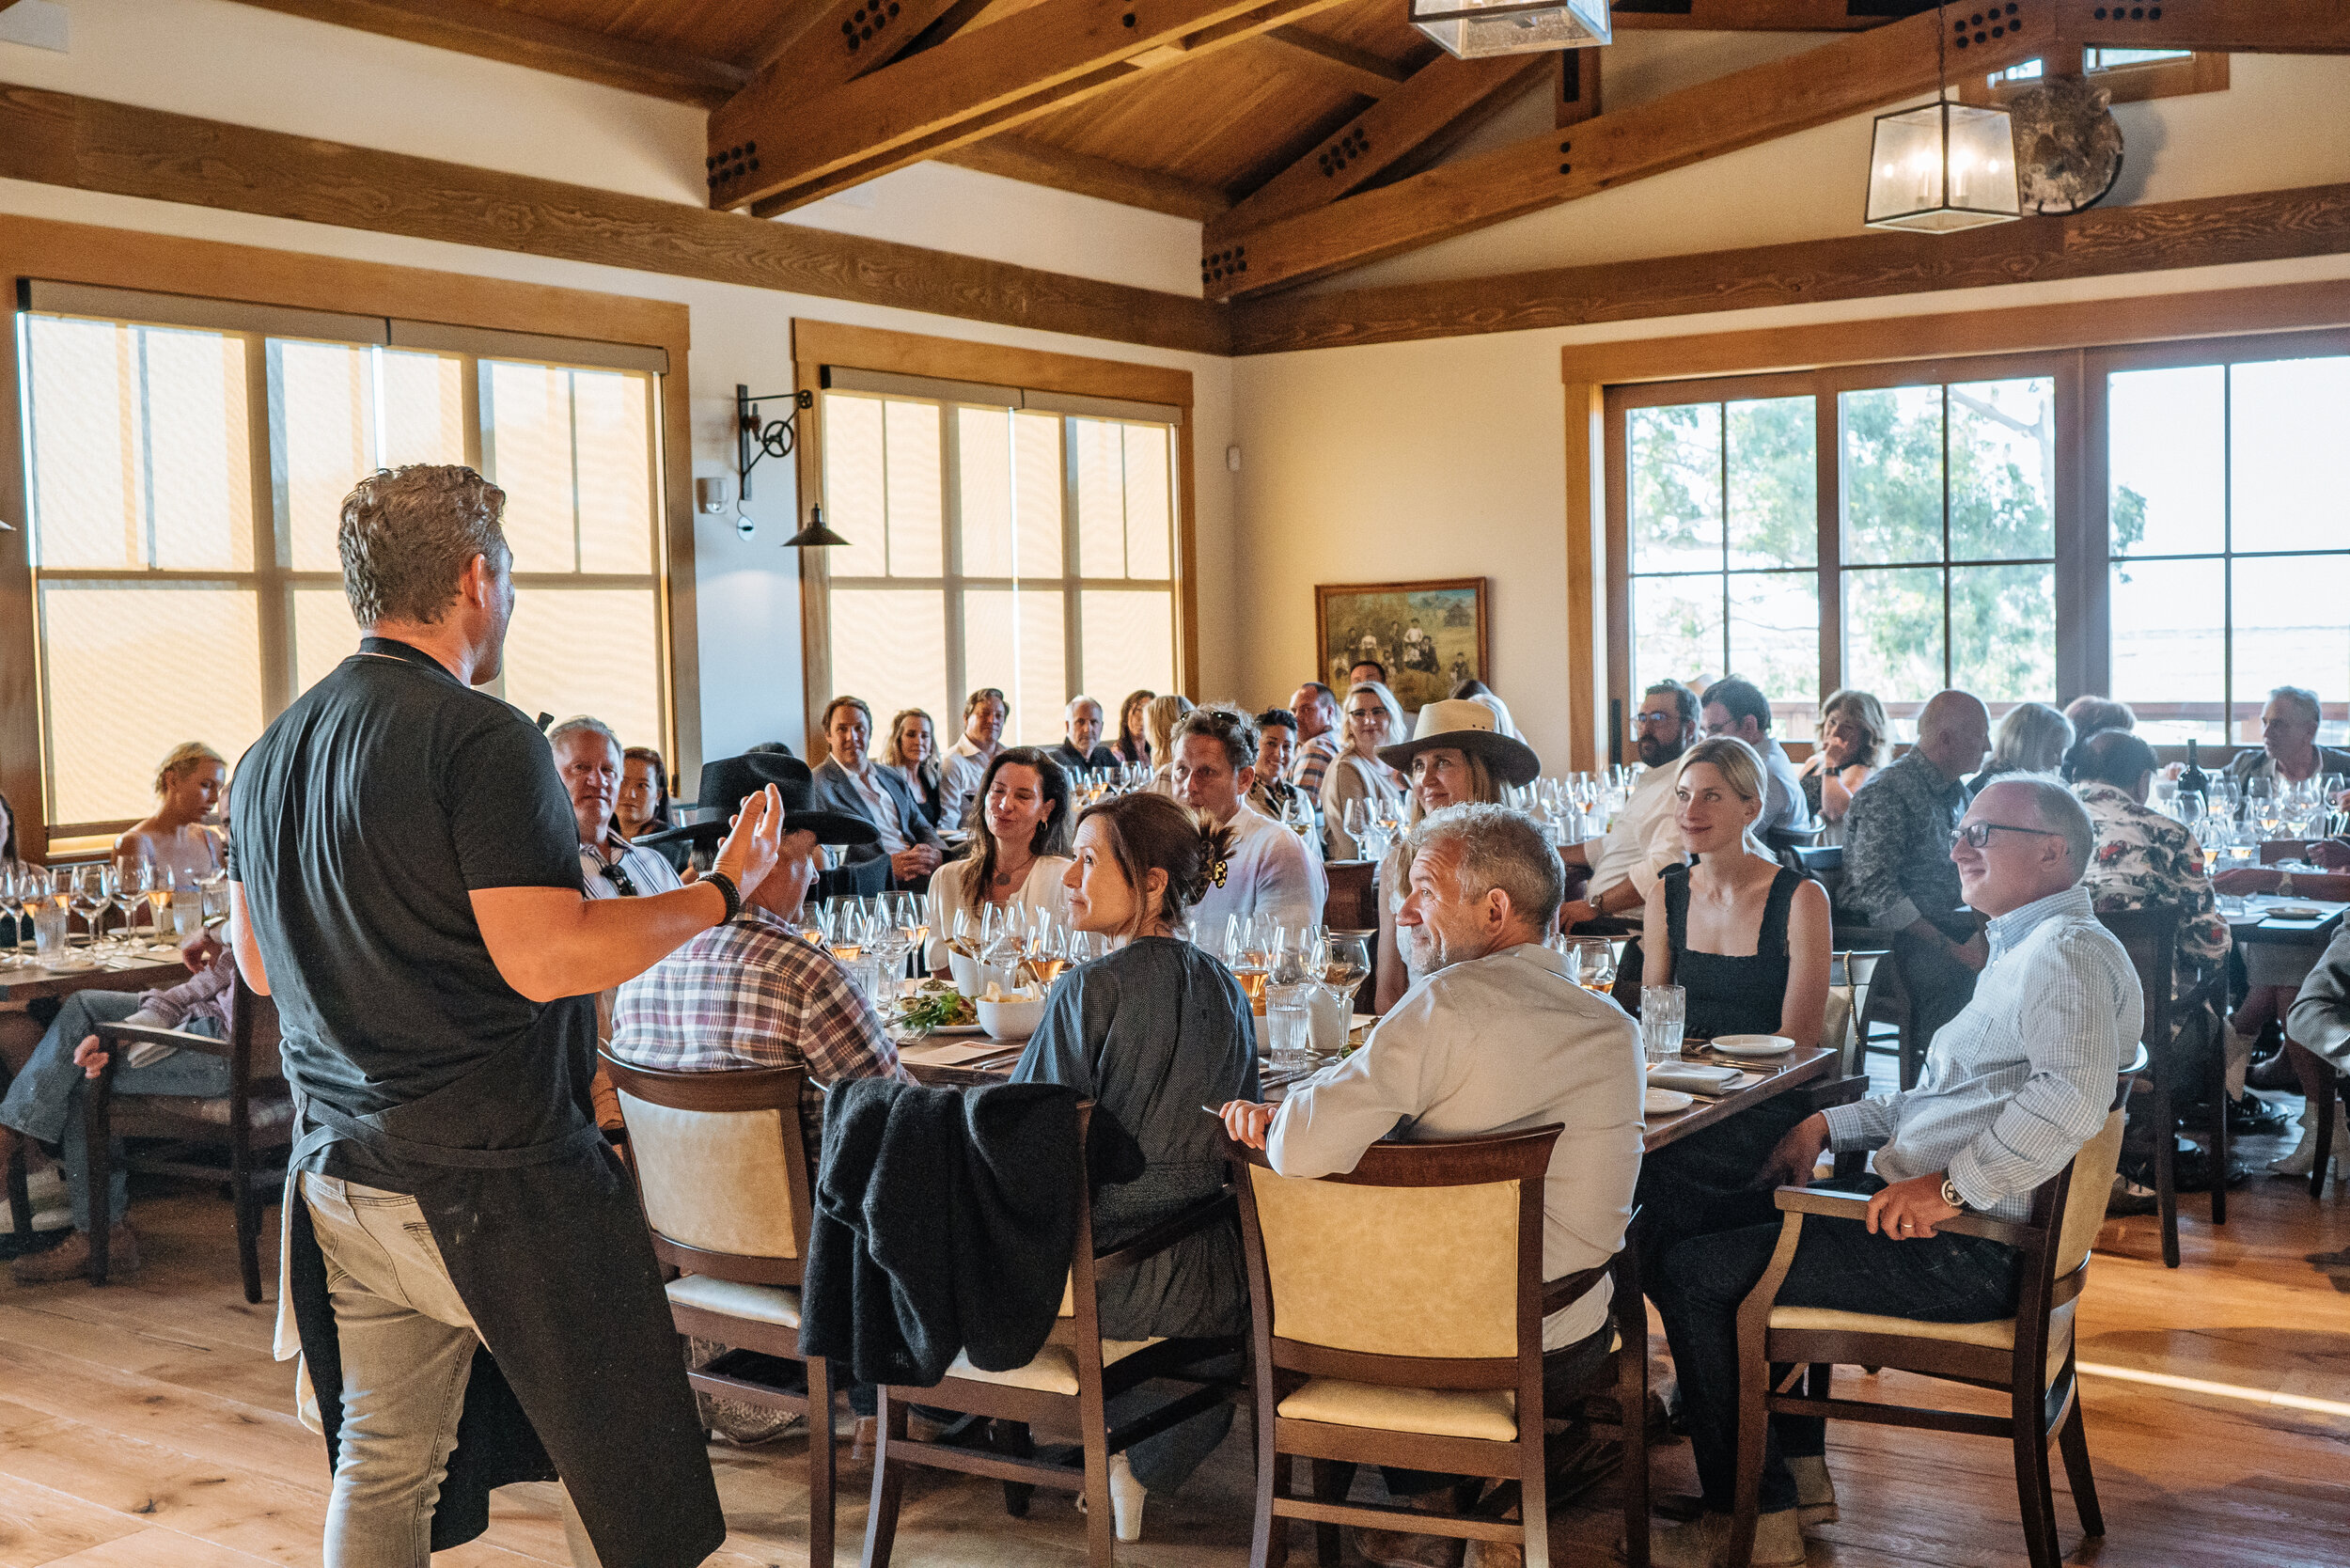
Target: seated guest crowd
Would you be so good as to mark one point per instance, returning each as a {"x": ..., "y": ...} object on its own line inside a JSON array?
[{"x": 1989, "y": 879}]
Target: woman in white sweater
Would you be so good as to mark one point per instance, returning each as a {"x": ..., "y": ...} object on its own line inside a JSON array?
[
  {"x": 1373, "y": 719},
  {"x": 1018, "y": 854}
]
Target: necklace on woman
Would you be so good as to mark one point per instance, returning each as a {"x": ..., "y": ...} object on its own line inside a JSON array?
[{"x": 1011, "y": 876}]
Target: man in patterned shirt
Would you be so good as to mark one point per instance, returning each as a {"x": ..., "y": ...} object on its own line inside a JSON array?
[
  {"x": 2146, "y": 860},
  {"x": 752, "y": 992},
  {"x": 1317, "y": 709},
  {"x": 2012, "y": 1088}
]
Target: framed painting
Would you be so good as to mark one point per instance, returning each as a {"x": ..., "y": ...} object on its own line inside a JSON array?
[{"x": 1430, "y": 636}]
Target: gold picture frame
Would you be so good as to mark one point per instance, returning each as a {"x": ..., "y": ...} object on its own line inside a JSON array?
[{"x": 1430, "y": 636}]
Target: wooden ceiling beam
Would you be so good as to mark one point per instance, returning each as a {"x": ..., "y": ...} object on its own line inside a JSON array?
[
  {"x": 2206, "y": 231},
  {"x": 1762, "y": 16},
  {"x": 981, "y": 81},
  {"x": 1852, "y": 75},
  {"x": 2217, "y": 26},
  {"x": 847, "y": 40},
  {"x": 1441, "y": 103},
  {"x": 88, "y": 144},
  {"x": 1355, "y": 70},
  {"x": 469, "y": 28},
  {"x": 1018, "y": 158}
]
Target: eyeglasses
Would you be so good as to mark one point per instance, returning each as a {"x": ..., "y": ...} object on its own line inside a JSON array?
[
  {"x": 1658, "y": 715},
  {"x": 619, "y": 879},
  {"x": 1976, "y": 834}
]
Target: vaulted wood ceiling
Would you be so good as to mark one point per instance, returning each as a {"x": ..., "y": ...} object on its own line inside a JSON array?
[{"x": 1301, "y": 131}]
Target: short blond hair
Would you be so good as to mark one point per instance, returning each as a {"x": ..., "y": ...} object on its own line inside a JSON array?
[{"x": 183, "y": 760}]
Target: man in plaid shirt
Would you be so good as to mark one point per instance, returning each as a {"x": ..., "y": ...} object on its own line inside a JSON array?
[{"x": 753, "y": 993}]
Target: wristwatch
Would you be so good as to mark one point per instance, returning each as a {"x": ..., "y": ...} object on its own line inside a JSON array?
[{"x": 1950, "y": 1194}]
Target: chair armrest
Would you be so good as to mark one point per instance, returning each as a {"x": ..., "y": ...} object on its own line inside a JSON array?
[
  {"x": 1165, "y": 1234},
  {"x": 1838, "y": 1091},
  {"x": 1566, "y": 1291},
  {"x": 146, "y": 1034},
  {"x": 1855, "y": 1206}
]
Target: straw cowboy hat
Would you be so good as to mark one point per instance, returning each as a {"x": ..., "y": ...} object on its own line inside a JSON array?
[{"x": 1468, "y": 725}]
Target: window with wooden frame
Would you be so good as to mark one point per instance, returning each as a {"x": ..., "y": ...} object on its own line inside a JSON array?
[
  {"x": 1026, "y": 538},
  {"x": 184, "y": 463},
  {"x": 1903, "y": 527}
]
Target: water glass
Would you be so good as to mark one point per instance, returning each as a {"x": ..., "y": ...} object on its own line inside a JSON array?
[
  {"x": 1663, "y": 1011},
  {"x": 1290, "y": 1026},
  {"x": 50, "y": 918}
]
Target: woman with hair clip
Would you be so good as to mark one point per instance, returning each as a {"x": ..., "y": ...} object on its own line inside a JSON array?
[
  {"x": 190, "y": 784},
  {"x": 1150, "y": 1033},
  {"x": 1133, "y": 744},
  {"x": 1018, "y": 852},
  {"x": 1852, "y": 744},
  {"x": 1456, "y": 755}
]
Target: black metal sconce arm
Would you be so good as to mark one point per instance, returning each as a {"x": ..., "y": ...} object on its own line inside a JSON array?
[{"x": 754, "y": 441}]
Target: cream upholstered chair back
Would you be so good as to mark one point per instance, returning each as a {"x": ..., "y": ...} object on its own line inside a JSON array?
[
  {"x": 1380, "y": 1264},
  {"x": 2085, "y": 1199},
  {"x": 718, "y": 1157}
]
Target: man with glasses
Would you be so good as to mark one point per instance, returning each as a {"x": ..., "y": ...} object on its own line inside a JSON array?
[
  {"x": 1642, "y": 841},
  {"x": 590, "y": 757},
  {"x": 2012, "y": 1087},
  {"x": 1898, "y": 874}
]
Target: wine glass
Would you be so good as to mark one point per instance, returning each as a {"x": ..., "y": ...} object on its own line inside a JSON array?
[
  {"x": 1346, "y": 965},
  {"x": 1356, "y": 820},
  {"x": 86, "y": 894},
  {"x": 13, "y": 880},
  {"x": 1595, "y": 965},
  {"x": 161, "y": 888}
]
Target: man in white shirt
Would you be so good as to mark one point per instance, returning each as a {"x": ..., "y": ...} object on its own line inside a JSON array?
[
  {"x": 1498, "y": 1038},
  {"x": 850, "y": 784},
  {"x": 1268, "y": 870},
  {"x": 1642, "y": 839},
  {"x": 966, "y": 764}
]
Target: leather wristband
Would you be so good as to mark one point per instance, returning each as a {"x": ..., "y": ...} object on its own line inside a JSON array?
[{"x": 726, "y": 890}]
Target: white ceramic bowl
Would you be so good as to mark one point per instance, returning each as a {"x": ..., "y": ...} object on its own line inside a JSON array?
[{"x": 1010, "y": 1020}]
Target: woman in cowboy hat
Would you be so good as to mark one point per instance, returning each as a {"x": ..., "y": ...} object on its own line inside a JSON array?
[{"x": 1456, "y": 755}]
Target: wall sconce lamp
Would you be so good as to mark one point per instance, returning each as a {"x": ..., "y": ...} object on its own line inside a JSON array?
[{"x": 776, "y": 440}]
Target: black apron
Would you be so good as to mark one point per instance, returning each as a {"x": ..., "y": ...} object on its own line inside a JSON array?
[{"x": 579, "y": 1374}]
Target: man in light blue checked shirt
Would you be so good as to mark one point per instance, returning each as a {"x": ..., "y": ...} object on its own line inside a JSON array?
[{"x": 2012, "y": 1088}]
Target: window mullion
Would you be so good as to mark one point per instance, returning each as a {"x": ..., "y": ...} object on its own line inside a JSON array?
[
  {"x": 1072, "y": 569},
  {"x": 950, "y": 494},
  {"x": 272, "y": 523},
  {"x": 1827, "y": 446}
]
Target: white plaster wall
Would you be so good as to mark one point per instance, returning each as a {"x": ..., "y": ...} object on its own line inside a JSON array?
[{"x": 252, "y": 67}]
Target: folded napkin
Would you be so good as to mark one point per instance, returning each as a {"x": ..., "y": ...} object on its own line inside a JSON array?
[{"x": 1695, "y": 1078}]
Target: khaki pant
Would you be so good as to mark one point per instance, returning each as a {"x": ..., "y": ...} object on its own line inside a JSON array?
[{"x": 407, "y": 1345}]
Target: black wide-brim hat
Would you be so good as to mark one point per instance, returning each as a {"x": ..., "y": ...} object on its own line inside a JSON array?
[{"x": 726, "y": 782}]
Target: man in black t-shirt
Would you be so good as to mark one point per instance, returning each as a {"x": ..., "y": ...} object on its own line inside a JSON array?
[{"x": 407, "y": 887}]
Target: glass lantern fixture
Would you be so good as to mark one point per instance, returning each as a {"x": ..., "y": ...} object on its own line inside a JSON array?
[
  {"x": 1941, "y": 168},
  {"x": 1473, "y": 29}
]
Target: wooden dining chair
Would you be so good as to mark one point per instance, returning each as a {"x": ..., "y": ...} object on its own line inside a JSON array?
[
  {"x": 2029, "y": 1356},
  {"x": 2151, "y": 937},
  {"x": 1397, "y": 1319},
  {"x": 253, "y": 1118},
  {"x": 1066, "y": 1387},
  {"x": 722, "y": 1172}
]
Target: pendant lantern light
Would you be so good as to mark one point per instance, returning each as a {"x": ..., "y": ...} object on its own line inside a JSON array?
[
  {"x": 1945, "y": 166},
  {"x": 1472, "y": 29}
]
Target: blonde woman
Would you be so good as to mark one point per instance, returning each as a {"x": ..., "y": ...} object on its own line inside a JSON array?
[
  {"x": 1746, "y": 938},
  {"x": 1457, "y": 755},
  {"x": 190, "y": 787},
  {"x": 912, "y": 749},
  {"x": 1851, "y": 748},
  {"x": 1372, "y": 718},
  {"x": 1158, "y": 726},
  {"x": 2033, "y": 738}
]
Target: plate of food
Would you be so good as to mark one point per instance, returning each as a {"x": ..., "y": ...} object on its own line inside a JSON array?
[
  {"x": 1664, "y": 1102},
  {"x": 2293, "y": 911},
  {"x": 1752, "y": 1046},
  {"x": 936, "y": 1008}
]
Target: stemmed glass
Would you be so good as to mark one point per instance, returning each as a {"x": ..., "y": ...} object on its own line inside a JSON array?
[
  {"x": 87, "y": 893},
  {"x": 1343, "y": 964},
  {"x": 162, "y": 887},
  {"x": 16, "y": 885},
  {"x": 128, "y": 890},
  {"x": 1356, "y": 820}
]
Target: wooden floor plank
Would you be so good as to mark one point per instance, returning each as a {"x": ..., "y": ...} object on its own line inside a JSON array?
[{"x": 145, "y": 1424}]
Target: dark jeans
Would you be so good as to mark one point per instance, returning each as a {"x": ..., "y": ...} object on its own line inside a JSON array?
[
  {"x": 1939, "y": 986},
  {"x": 1706, "y": 1183},
  {"x": 1567, "y": 1374},
  {"x": 1838, "y": 1265}
]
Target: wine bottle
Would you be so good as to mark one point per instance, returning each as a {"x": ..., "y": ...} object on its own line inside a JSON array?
[{"x": 2192, "y": 779}]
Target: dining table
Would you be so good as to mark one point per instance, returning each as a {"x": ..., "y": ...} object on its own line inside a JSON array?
[
  {"x": 966, "y": 1062},
  {"x": 141, "y": 969}
]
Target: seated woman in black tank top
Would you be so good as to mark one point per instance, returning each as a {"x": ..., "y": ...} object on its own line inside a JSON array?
[{"x": 1743, "y": 937}]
